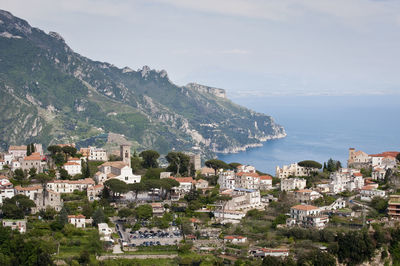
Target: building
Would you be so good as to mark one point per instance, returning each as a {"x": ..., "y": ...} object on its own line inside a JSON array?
[
  {"x": 32, "y": 161},
  {"x": 117, "y": 170},
  {"x": 158, "y": 209},
  {"x": 94, "y": 192},
  {"x": 227, "y": 180},
  {"x": 229, "y": 216},
  {"x": 206, "y": 171},
  {"x": 307, "y": 216},
  {"x": 2, "y": 163},
  {"x": 185, "y": 185},
  {"x": 247, "y": 180},
  {"x": 292, "y": 183},
  {"x": 358, "y": 159},
  {"x": 104, "y": 232},
  {"x": 394, "y": 207},
  {"x": 384, "y": 160},
  {"x": 17, "y": 151},
  {"x": 370, "y": 191},
  {"x": 52, "y": 199},
  {"x": 306, "y": 195},
  {"x": 195, "y": 160},
  {"x": 346, "y": 179},
  {"x": 378, "y": 173},
  {"x": 246, "y": 168},
  {"x": 242, "y": 199},
  {"x": 293, "y": 170},
  {"x": 68, "y": 186},
  {"x": 79, "y": 221},
  {"x": 273, "y": 252},
  {"x": 73, "y": 168},
  {"x": 125, "y": 153},
  {"x": 235, "y": 239},
  {"x": 94, "y": 154},
  {"x": 201, "y": 184},
  {"x": 165, "y": 175},
  {"x": 29, "y": 191},
  {"x": 265, "y": 182},
  {"x": 6, "y": 189},
  {"x": 19, "y": 225}
]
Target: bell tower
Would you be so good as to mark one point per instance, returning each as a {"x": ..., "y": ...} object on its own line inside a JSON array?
[{"x": 125, "y": 153}]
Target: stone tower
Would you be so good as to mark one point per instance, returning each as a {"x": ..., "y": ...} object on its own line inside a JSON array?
[
  {"x": 125, "y": 153},
  {"x": 351, "y": 157}
]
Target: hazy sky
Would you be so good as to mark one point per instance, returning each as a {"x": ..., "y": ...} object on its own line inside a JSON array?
[{"x": 257, "y": 47}]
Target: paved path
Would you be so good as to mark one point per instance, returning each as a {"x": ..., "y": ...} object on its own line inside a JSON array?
[{"x": 106, "y": 257}]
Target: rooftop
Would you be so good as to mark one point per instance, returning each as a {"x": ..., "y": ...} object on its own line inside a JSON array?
[{"x": 304, "y": 207}]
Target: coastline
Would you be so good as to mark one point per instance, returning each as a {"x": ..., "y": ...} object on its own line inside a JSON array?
[{"x": 248, "y": 146}]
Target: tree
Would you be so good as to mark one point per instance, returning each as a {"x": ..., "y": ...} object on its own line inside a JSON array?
[
  {"x": 63, "y": 216},
  {"x": 166, "y": 186},
  {"x": 216, "y": 164},
  {"x": 116, "y": 186},
  {"x": 136, "y": 188},
  {"x": 398, "y": 157},
  {"x": 149, "y": 158},
  {"x": 68, "y": 150},
  {"x": 125, "y": 212},
  {"x": 234, "y": 166},
  {"x": 19, "y": 175},
  {"x": 310, "y": 165},
  {"x": 54, "y": 149},
  {"x": 48, "y": 213},
  {"x": 153, "y": 173},
  {"x": 28, "y": 150},
  {"x": 144, "y": 212},
  {"x": 85, "y": 168},
  {"x": 32, "y": 172},
  {"x": 17, "y": 207},
  {"x": 178, "y": 162},
  {"x": 33, "y": 148},
  {"x": 98, "y": 216},
  {"x": 379, "y": 204}
]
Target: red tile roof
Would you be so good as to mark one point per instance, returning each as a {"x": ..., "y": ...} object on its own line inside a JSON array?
[
  {"x": 79, "y": 216},
  {"x": 305, "y": 207},
  {"x": 33, "y": 157},
  {"x": 357, "y": 174},
  {"x": 385, "y": 154},
  {"x": 265, "y": 177},
  {"x": 247, "y": 174},
  {"x": 184, "y": 179},
  {"x": 19, "y": 188},
  {"x": 20, "y": 148},
  {"x": 71, "y": 163}
]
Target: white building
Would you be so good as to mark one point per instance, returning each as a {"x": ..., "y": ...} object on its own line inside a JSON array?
[
  {"x": 306, "y": 195},
  {"x": 17, "y": 151},
  {"x": 247, "y": 180},
  {"x": 104, "y": 232},
  {"x": 307, "y": 216},
  {"x": 94, "y": 154},
  {"x": 68, "y": 186},
  {"x": 29, "y": 191},
  {"x": 73, "y": 168},
  {"x": 246, "y": 168},
  {"x": 242, "y": 199},
  {"x": 79, "y": 221},
  {"x": 19, "y": 225},
  {"x": 273, "y": 252},
  {"x": 226, "y": 180},
  {"x": 117, "y": 170},
  {"x": 185, "y": 185},
  {"x": 6, "y": 189},
  {"x": 292, "y": 183},
  {"x": 235, "y": 239},
  {"x": 265, "y": 182},
  {"x": 369, "y": 192},
  {"x": 378, "y": 173},
  {"x": 94, "y": 192},
  {"x": 2, "y": 163},
  {"x": 201, "y": 184},
  {"x": 346, "y": 179},
  {"x": 293, "y": 170}
]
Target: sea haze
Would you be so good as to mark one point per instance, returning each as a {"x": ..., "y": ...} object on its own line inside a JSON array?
[{"x": 323, "y": 127}]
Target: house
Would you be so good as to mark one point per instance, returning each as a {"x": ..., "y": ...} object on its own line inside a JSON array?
[
  {"x": 247, "y": 180},
  {"x": 52, "y": 199},
  {"x": 2, "y": 164},
  {"x": 346, "y": 179},
  {"x": 19, "y": 225},
  {"x": 104, "y": 232},
  {"x": 384, "y": 160},
  {"x": 201, "y": 184},
  {"x": 94, "y": 154},
  {"x": 229, "y": 216},
  {"x": 68, "y": 186},
  {"x": 185, "y": 185},
  {"x": 79, "y": 221},
  {"x": 17, "y": 151},
  {"x": 94, "y": 192},
  {"x": 336, "y": 205},
  {"x": 307, "y": 216},
  {"x": 242, "y": 199},
  {"x": 6, "y": 189},
  {"x": 235, "y": 239},
  {"x": 8, "y": 158},
  {"x": 273, "y": 252},
  {"x": 358, "y": 159},
  {"x": 15, "y": 165},
  {"x": 73, "y": 168},
  {"x": 29, "y": 191},
  {"x": 369, "y": 192},
  {"x": 292, "y": 183},
  {"x": 246, "y": 168},
  {"x": 394, "y": 207},
  {"x": 206, "y": 171},
  {"x": 165, "y": 174},
  {"x": 117, "y": 170},
  {"x": 32, "y": 161},
  {"x": 226, "y": 180},
  {"x": 306, "y": 195},
  {"x": 158, "y": 209},
  {"x": 265, "y": 182},
  {"x": 293, "y": 170},
  {"x": 378, "y": 173}
]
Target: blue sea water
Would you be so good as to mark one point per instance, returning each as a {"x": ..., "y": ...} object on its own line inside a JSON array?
[{"x": 323, "y": 127}]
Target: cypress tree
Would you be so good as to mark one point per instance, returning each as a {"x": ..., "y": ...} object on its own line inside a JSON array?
[{"x": 28, "y": 150}]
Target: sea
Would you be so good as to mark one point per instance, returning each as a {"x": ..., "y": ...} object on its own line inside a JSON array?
[{"x": 323, "y": 127}]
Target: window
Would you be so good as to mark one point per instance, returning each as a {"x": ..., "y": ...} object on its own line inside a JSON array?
[{"x": 126, "y": 178}]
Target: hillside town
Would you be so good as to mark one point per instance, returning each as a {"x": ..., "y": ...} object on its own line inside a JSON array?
[{"x": 100, "y": 205}]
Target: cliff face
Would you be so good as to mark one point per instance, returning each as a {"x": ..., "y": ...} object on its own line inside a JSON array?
[{"x": 51, "y": 94}]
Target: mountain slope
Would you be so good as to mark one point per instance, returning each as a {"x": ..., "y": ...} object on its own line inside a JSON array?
[{"x": 51, "y": 94}]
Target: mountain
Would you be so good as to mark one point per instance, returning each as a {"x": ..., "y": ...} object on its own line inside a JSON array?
[{"x": 50, "y": 94}]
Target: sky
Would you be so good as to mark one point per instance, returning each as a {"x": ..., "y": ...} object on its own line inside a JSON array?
[{"x": 248, "y": 47}]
